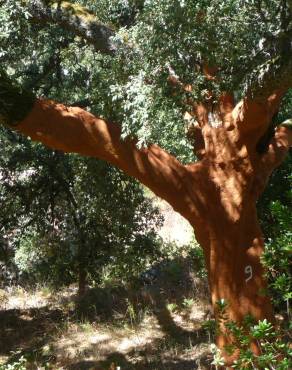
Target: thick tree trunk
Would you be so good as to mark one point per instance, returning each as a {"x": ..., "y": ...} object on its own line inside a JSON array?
[
  {"x": 235, "y": 271},
  {"x": 236, "y": 275},
  {"x": 217, "y": 195},
  {"x": 232, "y": 253},
  {"x": 229, "y": 179},
  {"x": 231, "y": 238}
]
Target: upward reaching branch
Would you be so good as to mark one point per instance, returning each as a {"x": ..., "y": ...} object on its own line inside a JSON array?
[
  {"x": 254, "y": 113},
  {"x": 276, "y": 73},
  {"x": 278, "y": 147},
  {"x": 75, "y": 18},
  {"x": 271, "y": 77},
  {"x": 267, "y": 85}
]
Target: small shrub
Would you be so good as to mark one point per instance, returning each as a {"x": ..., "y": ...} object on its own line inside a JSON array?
[
  {"x": 188, "y": 303},
  {"x": 172, "y": 307},
  {"x": 275, "y": 352},
  {"x": 20, "y": 364}
]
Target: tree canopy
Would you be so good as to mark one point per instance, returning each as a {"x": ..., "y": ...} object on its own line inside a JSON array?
[
  {"x": 143, "y": 63},
  {"x": 150, "y": 86}
]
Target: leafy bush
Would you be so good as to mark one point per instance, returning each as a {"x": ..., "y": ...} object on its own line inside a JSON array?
[
  {"x": 277, "y": 255},
  {"x": 20, "y": 364},
  {"x": 67, "y": 215},
  {"x": 274, "y": 349},
  {"x": 274, "y": 209}
]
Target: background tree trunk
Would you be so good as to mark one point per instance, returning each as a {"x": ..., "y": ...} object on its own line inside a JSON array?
[
  {"x": 82, "y": 279},
  {"x": 82, "y": 258}
]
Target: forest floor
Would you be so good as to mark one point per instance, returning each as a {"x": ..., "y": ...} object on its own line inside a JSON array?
[
  {"x": 153, "y": 325},
  {"x": 114, "y": 328}
]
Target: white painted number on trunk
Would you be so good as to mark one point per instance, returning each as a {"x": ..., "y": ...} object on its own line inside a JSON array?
[{"x": 248, "y": 273}]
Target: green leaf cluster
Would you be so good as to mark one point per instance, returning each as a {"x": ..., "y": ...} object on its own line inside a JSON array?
[
  {"x": 274, "y": 349},
  {"x": 155, "y": 40},
  {"x": 62, "y": 214}
]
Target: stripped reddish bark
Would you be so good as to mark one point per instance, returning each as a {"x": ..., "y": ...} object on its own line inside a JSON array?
[{"x": 217, "y": 195}]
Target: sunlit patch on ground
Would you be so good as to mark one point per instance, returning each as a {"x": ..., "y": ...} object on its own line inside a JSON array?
[
  {"x": 39, "y": 325},
  {"x": 98, "y": 341}
]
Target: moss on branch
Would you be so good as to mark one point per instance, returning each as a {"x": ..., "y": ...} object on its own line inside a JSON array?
[
  {"x": 75, "y": 18},
  {"x": 74, "y": 10}
]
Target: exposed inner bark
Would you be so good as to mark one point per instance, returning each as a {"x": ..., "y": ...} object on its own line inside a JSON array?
[{"x": 216, "y": 195}]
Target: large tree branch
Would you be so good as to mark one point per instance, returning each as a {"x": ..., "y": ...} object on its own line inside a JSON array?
[
  {"x": 270, "y": 81},
  {"x": 271, "y": 77},
  {"x": 278, "y": 147},
  {"x": 75, "y": 18},
  {"x": 254, "y": 113},
  {"x": 253, "y": 116},
  {"x": 275, "y": 155},
  {"x": 72, "y": 129}
]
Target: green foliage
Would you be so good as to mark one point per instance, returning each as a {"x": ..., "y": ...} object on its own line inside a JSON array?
[
  {"x": 188, "y": 303},
  {"x": 156, "y": 40},
  {"x": 15, "y": 103},
  {"x": 274, "y": 349},
  {"x": 68, "y": 214},
  {"x": 275, "y": 352},
  {"x": 192, "y": 250},
  {"x": 275, "y": 214},
  {"x": 20, "y": 364},
  {"x": 172, "y": 307},
  {"x": 277, "y": 259}
]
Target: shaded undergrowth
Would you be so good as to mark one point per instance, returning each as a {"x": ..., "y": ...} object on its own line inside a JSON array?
[{"x": 155, "y": 325}]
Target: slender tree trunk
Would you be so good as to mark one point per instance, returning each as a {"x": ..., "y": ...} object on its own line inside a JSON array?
[
  {"x": 82, "y": 279},
  {"x": 82, "y": 258}
]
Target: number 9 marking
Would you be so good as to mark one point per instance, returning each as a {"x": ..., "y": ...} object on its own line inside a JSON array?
[{"x": 248, "y": 272}]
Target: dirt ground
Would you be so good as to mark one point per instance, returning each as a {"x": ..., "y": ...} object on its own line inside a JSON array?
[{"x": 109, "y": 329}]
